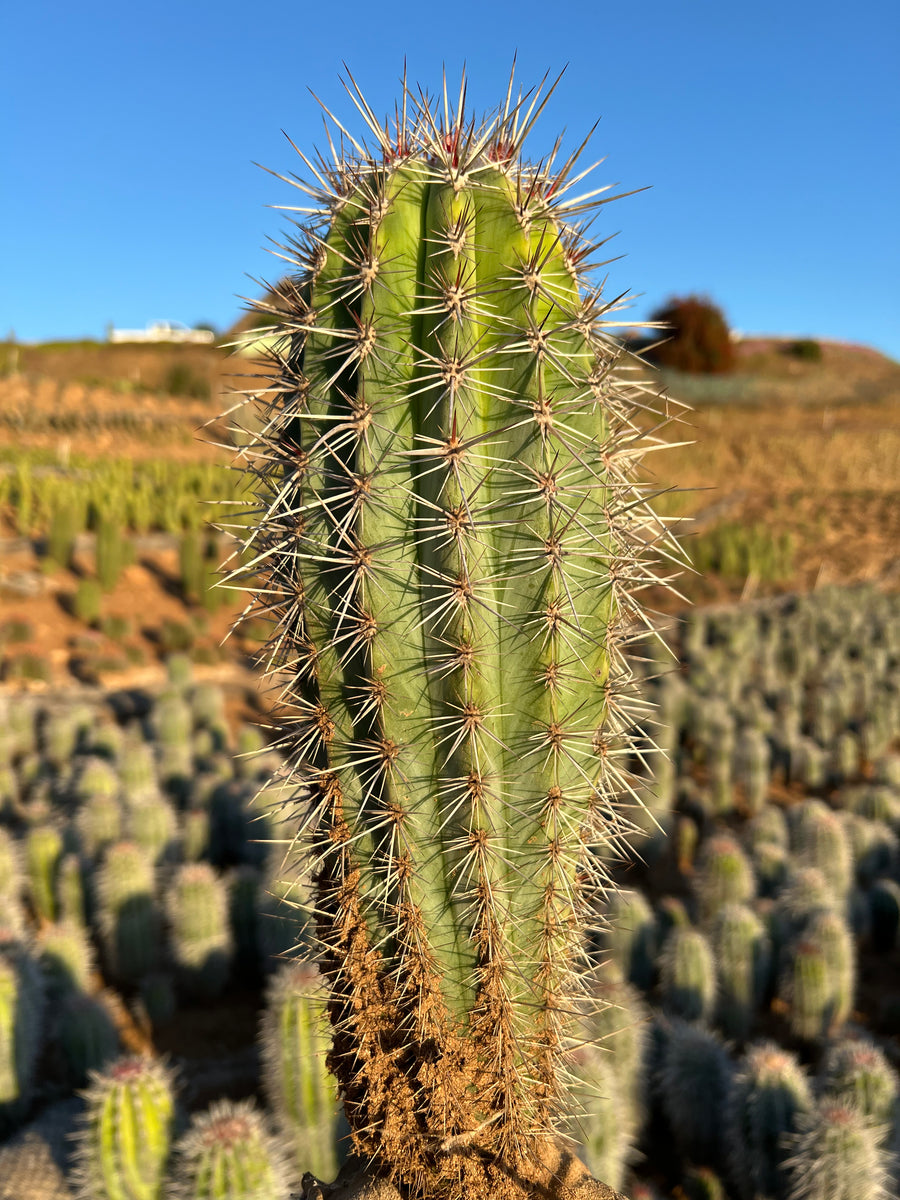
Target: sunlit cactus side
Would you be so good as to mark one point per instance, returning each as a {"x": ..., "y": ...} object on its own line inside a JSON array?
[
  {"x": 724, "y": 876},
  {"x": 137, "y": 768},
  {"x": 228, "y": 1154},
  {"x": 87, "y": 1035},
  {"x": 128, "y": 915},
  {"x": 599, "y": 1121},
  {"x": 43, "y": 849},
  {"x": 620, "y": 1028},
  {"x": 752, "y": 767},
  {"x": 807, "y": 990},
  {"x": 854, "y": 1071},
  {"x": 98, "y": 823},
  {"x": 21, "y": 1028},
  {"x": 11, "y": 914},
  {"x": 835, "y": 1154},
  {"x": 743, "y": 957},
  {"x": 125, "y": 1139},
  {"x": 770, "y": 1091},
  {"x": 153, "y": 825},
  {"x": 630, "y": 936},
  {"x": 687, "y": 976},
  {"x": 832, "y": 934},
  {"x": 820, "y": 840},
  {"x": 448, "y": 540},
  {"x": 301, "y": 1091},
  {"x": 700, "y": 1183},
  {"x": 200, "y": 937},
  {"x": 66, "y": 958},
  {"x": 70, "y": 890}
]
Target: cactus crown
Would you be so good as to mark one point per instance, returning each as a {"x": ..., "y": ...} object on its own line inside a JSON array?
[{"x": 448, "y": 535}]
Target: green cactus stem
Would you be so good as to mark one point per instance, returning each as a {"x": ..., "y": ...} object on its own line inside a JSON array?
[
  {"x": 129, "y": 919},
  {"x": 449, "y": 543},
  {"x": 835, "y": 1155},
  {"x": 200, "y": 936},
  {"x": 770, "y": 1091},
  {"x": 227, "y": 1154},
  {"x": 124, "y": 1142},
  {"x": 687, "y": 977},
  {"x": 21, "y": 1028},
  {"x": 301, "y": 1091}
]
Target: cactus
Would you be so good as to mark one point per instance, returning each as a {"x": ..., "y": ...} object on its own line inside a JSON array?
[
  {"x": 21, "y": 1028},
  {"x": 687, "y": 977},
  {"x": 128, "y": 916},
  {"x": 228, "y": 1155},
  {"x": 98, "y": 823},
  {"x": 695, "y": 1082},
  {"x": 87, "y": 1036},
  {"x": 830, "y": 931},
  {"x": 619, "y": 1027},
  {"x": 807, "y": 989},
  {"x": 443, "y": 541},
  {"x": 66, "y": 959},
  {"x": 200, "y": 938},
  {"x": 724, "y": 876},
  {"x": 301, "y": 1091},
  {"x": 700, "y": 1183},
  {"x": 835, "y": 1155},
  {"x": 600, "y": 1120},
  {"x": 43, "y": 850},
  {"x": 630, "y": 936},
  {"x": 124, "y": 1142},
  {"x": 70, "y": 890},
  {"x": 743, "y": 965},
  {"x": 153, "y": 825},
  {"x": 752, "y": 765},
  {"x": 820, "y": 840},
  {"x": 770, "y": 1091},
  {"x": 854, "y": 1071}
]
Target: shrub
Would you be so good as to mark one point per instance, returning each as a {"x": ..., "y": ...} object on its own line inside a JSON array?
[
  {"x": 806, "y": 349},
  {"x": 699, "y": 340}
]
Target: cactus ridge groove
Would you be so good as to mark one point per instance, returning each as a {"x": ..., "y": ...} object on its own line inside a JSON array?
[{"x": 450, "y": 540}]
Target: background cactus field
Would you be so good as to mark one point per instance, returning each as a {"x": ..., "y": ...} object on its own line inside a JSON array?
[{"x": 154, "y": 1039}]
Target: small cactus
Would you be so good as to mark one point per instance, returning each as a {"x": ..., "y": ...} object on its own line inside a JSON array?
[
  {"x": 807, "y": 989},
  {"x": 724, "y": 876},
  {"x": 98, "y": 823},
  {"x": 227, "y": 1154},
  {"x": 630, "y": 938},
  {"x": 129, "y": 919},
  {"x": 695, "y": 1081},
  {"x": 66, "y": 959},
  {"x": 200, "y": 938},
  {"x": 301, "y": 1091},
  {"x": 43, "y": 851},
  {"x": 854, "y": 1071},
  {"x": 687, "y": 976},
  {"x": 770, "y": 1091},
  {"x": 743, "y": 963},
  {"x": 124, "y": 1142},
  {"x": 884, "y": 915},
  {"x": 835, "y": 1155}
]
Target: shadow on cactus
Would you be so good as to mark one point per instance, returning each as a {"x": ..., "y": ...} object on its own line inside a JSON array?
[{"x": 449, "y": 536}]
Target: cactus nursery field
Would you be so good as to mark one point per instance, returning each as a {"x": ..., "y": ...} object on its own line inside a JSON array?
[{"x": 151, "y": 1029}]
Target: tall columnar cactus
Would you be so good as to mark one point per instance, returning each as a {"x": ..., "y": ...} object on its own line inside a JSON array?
[
  {"x": 87, "y": 1036},
  {"x": 300, "y": 1089},
  {"x": 770, "y": 1091},
  {"x": 125, "y": 1139},
  {"x": 449, "y": 537},
  {"x": 66, "y": 959},
  {"x": 725, "y": 876},
  {"x": 695, "y": 1082},
  {"x": 599, "y": 1119},
  {"x": 227, "y": 1154}
]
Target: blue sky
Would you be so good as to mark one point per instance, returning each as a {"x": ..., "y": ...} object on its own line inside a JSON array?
[{"x": 769, "y": 134}]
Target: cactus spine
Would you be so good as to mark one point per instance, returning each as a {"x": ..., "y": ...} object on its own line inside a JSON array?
[{"x": 448, "y": 545}]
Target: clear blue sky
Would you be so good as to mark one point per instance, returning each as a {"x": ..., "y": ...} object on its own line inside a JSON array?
[{"x": 770, "y": 134}]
